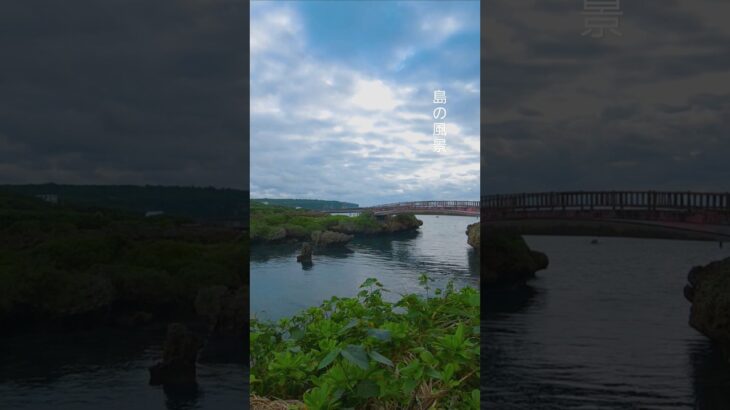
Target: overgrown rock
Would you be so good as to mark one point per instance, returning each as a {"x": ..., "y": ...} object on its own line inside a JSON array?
[
  {"x": 709, "y": 291},
  {"x": 305, "y": 254},
  {"x": 178, "y": 359},
  {"x": 369, "y": 224},
  {"x": 277, "y": 235},
  {"x": 324, "y": 239},
  {"x": 473, "y": 233},
  {"x": 400, "y": 223},
  {"x": 507, "y": 259}
]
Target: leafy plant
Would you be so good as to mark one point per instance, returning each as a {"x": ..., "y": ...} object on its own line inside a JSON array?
[{"x": 365, "y": 352}]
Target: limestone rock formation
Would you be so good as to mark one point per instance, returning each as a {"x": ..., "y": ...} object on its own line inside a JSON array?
[
  {"x": 324, "y": 239},
  {"x": 277, "y": 235},
  {"x": 178, "y": 360},
  {"x": 709, "y": 292},
  {"x": 473, "y": 233},
  {"x": 380, "y": 225},
  {"x": 305, "y": 254},
  {"x": 507, "y": 260},
  {"x": 401, "y": 222}
]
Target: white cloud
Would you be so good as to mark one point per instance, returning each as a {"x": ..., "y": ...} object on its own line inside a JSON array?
[
  {"x": 374, "y": 95},
  {"x": 341, "y": 133},
  {"x": 440, "y": 27}
]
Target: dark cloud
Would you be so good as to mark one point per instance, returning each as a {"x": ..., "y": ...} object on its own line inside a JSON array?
[
  {"x": 124, "y": 91},
  {"x": 645, "y": 110}
]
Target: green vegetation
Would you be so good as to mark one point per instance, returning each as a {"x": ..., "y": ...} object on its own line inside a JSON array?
[
  {"x": 312, "y": 204},
  {"x": 59, "y": 261},
  {"x": 364, "y": 352},
  {"x": 193, "y": 202},
  {"x": 272, "y": 222}
]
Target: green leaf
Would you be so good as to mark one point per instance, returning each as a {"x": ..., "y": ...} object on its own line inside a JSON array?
[
  {"x": 459, "y": 335},
  {"x": 352, "y": 323},
  {"x": 356, "y": 355},
  {"x": 380, "y": 334},
  {"x": 475, "y": 396},
  {"x": 381, "y": 359},
  {"x": 329, "y": 358},
  {"x": 427, "y": 357},
  {"x": 296, "y": 333},
  {"x": 409, "y": 386},
  {"x": 434, "y": 374},
  {"x": 368, "y": 282},
  {"x": 367, "y": 389}
]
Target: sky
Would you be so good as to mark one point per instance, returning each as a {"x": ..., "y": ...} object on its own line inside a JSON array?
[
  {"x": 124, "y": 92},
  {"x": 647, "y": 110},
  {"x": 139, "y": 92},
  {"x": 342, "y": 100}
]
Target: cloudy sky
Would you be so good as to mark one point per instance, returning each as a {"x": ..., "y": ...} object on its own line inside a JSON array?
[
  {"x": 124, "y": 91},
  {"x": 342, "y": 100},
  {"x": 646, "y": 110}
]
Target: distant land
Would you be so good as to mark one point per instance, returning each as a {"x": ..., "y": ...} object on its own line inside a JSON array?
[
  {"x": 313, "y": 204},
  {"x": 212, "y": 204}
]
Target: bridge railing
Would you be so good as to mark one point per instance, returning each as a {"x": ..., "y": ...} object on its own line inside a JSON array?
[
  {"x": 644, "y": 200},
  {"x": 430, "y": 204}
]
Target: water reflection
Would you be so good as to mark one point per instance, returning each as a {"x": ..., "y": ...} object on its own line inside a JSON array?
[
  {"x": 711, "y": 376},
  {"x": 603, "y": 327},
  {"x": 106, "y": 368},
  {"x": 37, "y": 365},
  {"x": 507, "y": 300},
  {"x": 280, "y": 286},
  {"x": 182, "y": 398}
]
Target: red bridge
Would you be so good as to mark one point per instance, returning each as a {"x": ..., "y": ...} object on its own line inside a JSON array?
[
  {"x": 466, "y": 208},
  {"x": 681, "y": 215},
  {"x": 663, "y": 214}
]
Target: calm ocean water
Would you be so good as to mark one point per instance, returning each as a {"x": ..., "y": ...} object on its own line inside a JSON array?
[
  {"x": 604, "y": 327},
  {"x": 105, "y": 369},
  {"x": 280, "y": 286}
]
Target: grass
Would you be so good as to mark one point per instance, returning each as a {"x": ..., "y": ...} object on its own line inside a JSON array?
[{"x": 364, "y": 352}]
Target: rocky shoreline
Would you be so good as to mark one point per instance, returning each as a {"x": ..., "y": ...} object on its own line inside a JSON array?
[
  {"x": 507, "y": 261},
  {"x": 708, "y": 290},
  {"x": 341, "y": 231}
]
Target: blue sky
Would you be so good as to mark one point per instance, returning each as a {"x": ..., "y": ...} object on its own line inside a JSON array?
[{"x": 341, "y": 100}]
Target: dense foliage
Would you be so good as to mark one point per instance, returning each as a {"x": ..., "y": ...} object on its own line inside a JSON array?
[
  {"x": 275, "y": 222},
  {"x": 364, "y": 352},
  {"x": 194, "y": 202},
  {"x": 60, "y": 261},
  {"x": 313, "y": 204}
]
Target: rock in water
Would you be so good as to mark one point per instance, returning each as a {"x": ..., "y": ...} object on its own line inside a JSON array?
[
  {"x": 473, "y": 233},
  {"x": 709, "y": 292},
  {"x": 507, "y": 259},
  {"x": 178, "y": 359},
  {"x": 401, "y": 222},
  {"x": 306, "y": 253},
  {"x": 379, "y": 225}
]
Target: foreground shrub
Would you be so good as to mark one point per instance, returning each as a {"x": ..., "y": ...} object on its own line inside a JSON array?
[{"x": 364, "y": 352}]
